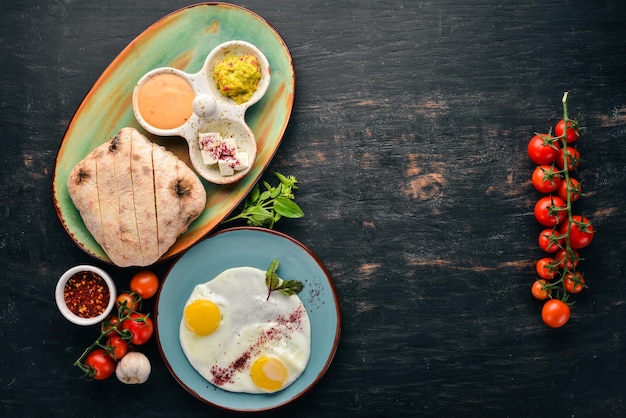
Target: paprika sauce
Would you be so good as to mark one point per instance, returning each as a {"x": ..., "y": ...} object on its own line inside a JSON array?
[{"x": 165, "y": 101}]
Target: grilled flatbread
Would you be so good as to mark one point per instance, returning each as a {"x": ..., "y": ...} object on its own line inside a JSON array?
[{"x": 135, "y": 198}]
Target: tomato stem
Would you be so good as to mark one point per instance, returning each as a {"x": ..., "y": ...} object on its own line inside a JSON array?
[
  {"x": 123, "y": 312},
  {"x": 566, "y": 240}
]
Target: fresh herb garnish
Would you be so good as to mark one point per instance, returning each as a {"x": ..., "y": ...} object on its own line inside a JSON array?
[
  {"x": 267, "y": 207},
  {"x": 273, "y": 282}
]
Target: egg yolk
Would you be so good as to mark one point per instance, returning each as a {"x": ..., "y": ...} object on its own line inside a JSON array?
[
  {"x": 269, "y": 373},
  {"x": 202, "y": 317}
]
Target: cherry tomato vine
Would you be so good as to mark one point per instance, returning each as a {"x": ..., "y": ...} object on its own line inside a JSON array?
[
  {"x": 563, "y": 231},
  {"x": 121, "y": 331}
]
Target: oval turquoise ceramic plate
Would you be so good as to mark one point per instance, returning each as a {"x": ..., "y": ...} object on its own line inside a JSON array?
[
  {"x": 182, "y": 40},
  {"x": 253, "y": 247}
]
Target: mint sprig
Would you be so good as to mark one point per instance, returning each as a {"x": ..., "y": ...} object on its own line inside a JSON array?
[{"x": 273, "y": 282}]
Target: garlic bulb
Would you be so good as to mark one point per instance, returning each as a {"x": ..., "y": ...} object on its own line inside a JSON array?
[{"x": 133, "y": 368}]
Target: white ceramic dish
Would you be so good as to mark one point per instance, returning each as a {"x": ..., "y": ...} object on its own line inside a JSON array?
[
  {"x": 60, "y": 299},
  {"x": 212, "y": 111}
]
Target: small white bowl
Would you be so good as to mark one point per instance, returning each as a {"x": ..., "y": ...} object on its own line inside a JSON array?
[{"x": 60, "y": 299}]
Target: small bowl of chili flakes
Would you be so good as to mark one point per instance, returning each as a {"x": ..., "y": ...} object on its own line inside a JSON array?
[{"x": 85, "y": 295}]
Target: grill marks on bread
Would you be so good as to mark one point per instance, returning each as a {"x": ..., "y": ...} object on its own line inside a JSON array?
[
  {"x": 135, "y": 198},
  {"x": 120, "y": 153},
  {"x": 84, "y": 177},
  {"x": 142, "y": 176}
]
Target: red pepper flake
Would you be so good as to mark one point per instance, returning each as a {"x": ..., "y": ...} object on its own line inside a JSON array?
[{"x": 86, "y": 294}]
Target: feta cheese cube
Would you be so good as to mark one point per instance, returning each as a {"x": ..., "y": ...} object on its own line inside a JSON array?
[
  {"x": 208, "y": 157},
  {"x": 222, "y": 151},
  {"x": 226, "y": 166},
  {"x": 229, "y": 147},
  {"x": 210, "y": 147},
  {"x": 243, "y": 161},
  {"x": 208, "y": 140}
]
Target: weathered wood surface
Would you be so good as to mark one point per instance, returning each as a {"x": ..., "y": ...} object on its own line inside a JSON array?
[{"x": 409, "y": 138}]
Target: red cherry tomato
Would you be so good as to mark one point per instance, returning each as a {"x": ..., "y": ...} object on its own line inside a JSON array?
[
  {"x": 127, "y": 301},
  {"x": 555, "y": 313},
  {"x": 117, "y": 347},
  {"x": 550, "y": 211},
  {"x": 567, "y": 258},
  {"x": 572, "y": 130},
  {"x": 140, "y": 327},
  {"x": 575, "y": 189},
  {"x": 540, "y": 290},
  {"x": 546, "y": 178},
  {"x": 546, "y": 268},
  {"x": 543, "y": 149},
  {"x": 101, "y": 364},
  {"x": 145, "y": 283},
  {"x": 574, "y": 282},
  {"x": 573, "y": 158},
  {"x": 549, "y": 240},
  {"x": 581, "y": 232}
]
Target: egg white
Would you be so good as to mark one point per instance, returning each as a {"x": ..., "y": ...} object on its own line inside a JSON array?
[{"x": 251, "y": 325}]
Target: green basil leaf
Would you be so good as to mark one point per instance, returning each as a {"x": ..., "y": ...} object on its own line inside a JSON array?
[
  {"x": 287, "y": 208},
  {"x": 271, "y": 272},
  {"x": 264, "y": 196},
  {"x": 290, "y": 287},
  {"x": 252, "y": 221},
  {"x": 282, "y": 179},
  {"x": 275, "y": 192},
  {"x": 254, "y": 194},
  {"x": 259, "y": 211}
]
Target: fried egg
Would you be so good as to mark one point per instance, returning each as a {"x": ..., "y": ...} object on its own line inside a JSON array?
[{"x": 239, "y": 339}]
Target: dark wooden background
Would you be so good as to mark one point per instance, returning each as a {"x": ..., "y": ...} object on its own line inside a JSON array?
[{"x": 408, "y": 137}]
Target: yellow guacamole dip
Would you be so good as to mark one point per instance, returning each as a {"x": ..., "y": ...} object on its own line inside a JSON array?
[{"x": 237, "y": 76}]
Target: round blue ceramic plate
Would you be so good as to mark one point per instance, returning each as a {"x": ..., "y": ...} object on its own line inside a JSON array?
[{"x": 253, "y": 247}]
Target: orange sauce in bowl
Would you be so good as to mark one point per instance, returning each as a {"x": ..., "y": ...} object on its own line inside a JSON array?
[{"x": 165, "y": 101}]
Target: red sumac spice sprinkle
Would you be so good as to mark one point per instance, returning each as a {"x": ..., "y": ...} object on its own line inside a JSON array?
[{"x": 86, "y": 294}]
